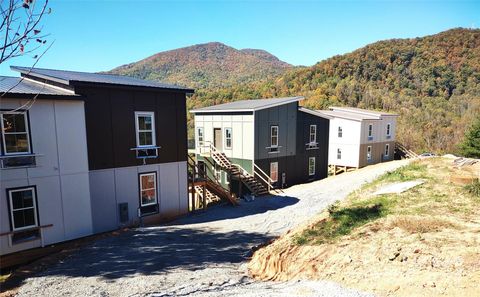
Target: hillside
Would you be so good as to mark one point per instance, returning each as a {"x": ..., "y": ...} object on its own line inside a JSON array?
[
  {"x": 207, "y": 65},
  {"x": 433, "y": 82}
]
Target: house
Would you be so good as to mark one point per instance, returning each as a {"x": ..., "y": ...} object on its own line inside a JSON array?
[
  {"x": 85, "y": 153},
  {"x": 360, "y": 137},
  {"x": 258, "y": 145}
]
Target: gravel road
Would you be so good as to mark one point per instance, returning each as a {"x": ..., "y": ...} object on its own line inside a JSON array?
[{"x": 202, "y": 254}]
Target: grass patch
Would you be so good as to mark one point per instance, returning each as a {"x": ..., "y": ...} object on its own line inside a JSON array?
[
  {"x": 473, "y": 188},
  {"x": 419, "y": 210},
  {"x": 342, "y": 221},
  {"x": 421, "y": 224}
]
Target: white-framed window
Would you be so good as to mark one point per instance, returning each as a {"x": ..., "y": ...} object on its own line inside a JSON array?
[
  {"x": 370, "y": 131},
  {"x": 340, "y": 132},
  {"x": 369, "y": 153},
  {"x": 311, "y": 166},
  {"x": 274, "y": 171},
  {"x": 15, "y": 133},
  {"x": 313, "y": 134},
  {"x": 145, "y": 128},
  {"x": 389, "y": 127},
  {"x": 387, "y": 150},
  {"x": 273, "y": 136},
  {"x": 339, "y": 153},
  {"x": 200, "y": 135},
  {"x": 148, "y": 189},
  {"x": 228, "y": 138},
  {"x": 23, "y": 208}
]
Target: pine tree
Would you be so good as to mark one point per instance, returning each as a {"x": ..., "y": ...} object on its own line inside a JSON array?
[{"x": 470, "y": 147}]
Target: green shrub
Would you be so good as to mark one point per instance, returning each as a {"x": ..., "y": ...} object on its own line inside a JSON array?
[{"x": 473, "y": 188}]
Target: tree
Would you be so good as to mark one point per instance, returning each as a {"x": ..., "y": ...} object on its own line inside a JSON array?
[
  {"x": 20, "y": 28},
  {"x": 470, "y": 147}
]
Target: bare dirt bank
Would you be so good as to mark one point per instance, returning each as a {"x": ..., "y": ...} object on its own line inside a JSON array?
[{"x": 428, "y": 245}]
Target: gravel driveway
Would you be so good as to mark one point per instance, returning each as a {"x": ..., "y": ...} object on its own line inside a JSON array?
[{"x": 202, "y": 254}]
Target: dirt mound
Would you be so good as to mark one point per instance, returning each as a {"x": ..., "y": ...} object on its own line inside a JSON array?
[{"x": 428, "y": 245}]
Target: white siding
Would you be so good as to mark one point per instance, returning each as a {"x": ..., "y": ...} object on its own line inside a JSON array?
[
  {"x": 58, "y": 134},
  {"x": 349, "y": 143},
  {"x": 242, "y": 133}
]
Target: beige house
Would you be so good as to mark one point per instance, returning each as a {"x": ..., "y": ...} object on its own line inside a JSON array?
[{"x": 360, "y": 137}]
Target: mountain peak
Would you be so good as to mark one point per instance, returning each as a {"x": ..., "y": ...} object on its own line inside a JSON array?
[{"x": 212, "y": 64}]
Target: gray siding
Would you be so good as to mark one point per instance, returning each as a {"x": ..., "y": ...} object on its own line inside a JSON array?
[
  {"x": 285, "y": 116},
  {"x": 57, "y": 129},
  {"x": 109, "y": 187}
]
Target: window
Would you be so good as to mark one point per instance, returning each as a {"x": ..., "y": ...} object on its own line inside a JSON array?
[
  {"x": 274, "y": 171},
  {"x": 274, "y": 136},
  {"x": 200, "y": 136},
  {"x": 148, "y": 189},
  {"x": 15, "y": 134},
  {"x": 369, "y": 153},
  {"x": 313, "y": 134},
  {"x": 340, "y": 132},
  {"x": 370, "y": 131},
  {"x": 23, "y": 208},
  {"x": 388, "y": 130},
  {"x": 228, "y": 138},
  {"x": 387, "y": 150},
  {"x": 339, "y": 154},
  {"x": 311, "y": 166},
  {"x": 145, "y": 128}
]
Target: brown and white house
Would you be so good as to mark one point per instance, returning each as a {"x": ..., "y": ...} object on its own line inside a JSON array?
[
  {"x": 360, "y": 137},
  {"x": 84, "y": 153}
]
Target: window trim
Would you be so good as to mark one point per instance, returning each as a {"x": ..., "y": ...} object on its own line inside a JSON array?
[
  {"x": 226, "y": 138},
  {"x": 140, "y": 190},
  {"x": 369, "y": 153},
  {"x": 340, "y": 132},
  {"x": 387, "y": 150},
  {"x": 370, "y": 131},
  {"x": 314, "y": 134},
  {"x": 271, "y": 163},
  {"x": 27, "y": 131},
  {"x": 389, "y": 129},
  {"x": 198, "y": 135},
  {"x": 10, "y": 207},
  {"x": 137, "y": 131},
  {"x": 339, "y": 153},
  {"x": 314, "y": 165},
  {"x": 271, "y": 136}
]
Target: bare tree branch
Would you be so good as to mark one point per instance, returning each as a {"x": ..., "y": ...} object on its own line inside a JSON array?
[{"x": 21, "y": 30}]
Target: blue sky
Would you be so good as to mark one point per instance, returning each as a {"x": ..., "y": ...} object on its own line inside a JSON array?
[{"x": 99, "y": 35}]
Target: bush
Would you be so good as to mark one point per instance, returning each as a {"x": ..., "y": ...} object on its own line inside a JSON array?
[{"x": 473, "y": 188}]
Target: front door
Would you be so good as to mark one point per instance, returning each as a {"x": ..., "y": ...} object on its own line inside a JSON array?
[{"x": 217, "y": 138}]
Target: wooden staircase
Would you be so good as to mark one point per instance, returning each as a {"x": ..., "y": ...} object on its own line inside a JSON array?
[
  {"x": 254, "y": 184},
  {"x": 403, "y": 152},
  {"x": 208, "y": 191}
]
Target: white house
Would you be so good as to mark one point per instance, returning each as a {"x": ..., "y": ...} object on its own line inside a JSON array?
[{"x": 360, "y": 137}]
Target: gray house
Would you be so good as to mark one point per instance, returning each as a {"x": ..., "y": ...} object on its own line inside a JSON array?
[
  {"x": 263, "y": 143},
  {"x": 85, "y": 153}
]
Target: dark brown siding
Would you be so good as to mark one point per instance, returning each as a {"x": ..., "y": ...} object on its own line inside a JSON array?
[{"x": 110, "y": 120}]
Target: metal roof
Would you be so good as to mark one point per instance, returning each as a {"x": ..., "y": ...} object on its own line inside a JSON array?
[
  {"x": 18, "y": 85},
  {"x": 315, "y": 113},
  {"x": 362, "y": 111},
  {"x": 247, "y": 105},
  {"x": 69, "y": 77},
  {"x": 348, "y": 115}
]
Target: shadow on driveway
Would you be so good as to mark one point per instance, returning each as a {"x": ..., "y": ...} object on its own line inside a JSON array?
[{"x": 156, "y": 250}]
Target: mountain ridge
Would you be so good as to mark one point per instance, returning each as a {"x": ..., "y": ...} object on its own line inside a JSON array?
[{"x": 206, "y": 65}]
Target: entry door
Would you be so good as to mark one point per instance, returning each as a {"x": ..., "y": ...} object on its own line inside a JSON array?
[{"x": 217, "y": 138}]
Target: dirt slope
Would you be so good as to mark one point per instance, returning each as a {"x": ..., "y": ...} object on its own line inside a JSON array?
[{"x": 427, "y": 247}]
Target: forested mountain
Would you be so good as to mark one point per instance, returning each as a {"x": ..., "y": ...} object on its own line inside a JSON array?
[
  {"x": 433, "y": 82},
  {"x": 207, "y": 65}
]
